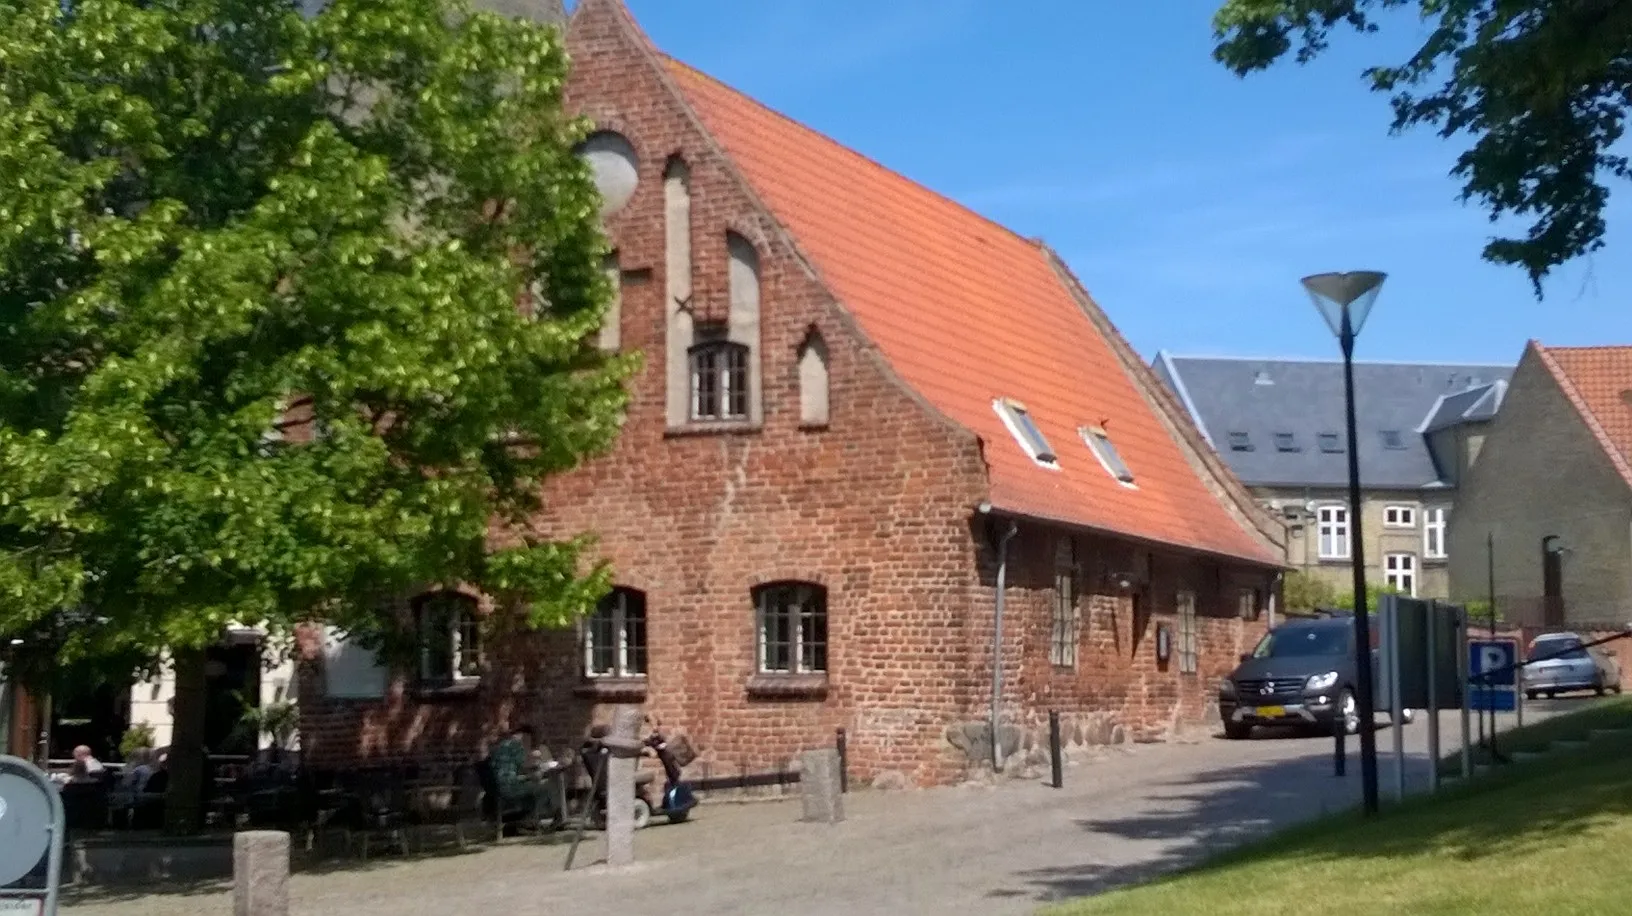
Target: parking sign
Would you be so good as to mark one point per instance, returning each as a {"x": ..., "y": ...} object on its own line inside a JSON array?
[{"x": 1497, "y": 659}]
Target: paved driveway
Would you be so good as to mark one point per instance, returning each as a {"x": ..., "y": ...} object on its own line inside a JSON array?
[{"x": 1128, "y": 815}]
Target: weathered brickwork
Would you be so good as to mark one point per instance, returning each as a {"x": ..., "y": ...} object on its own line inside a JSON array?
[{"x": 877, "y": 506}]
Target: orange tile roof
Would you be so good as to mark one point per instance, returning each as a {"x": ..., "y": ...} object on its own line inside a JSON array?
[
  {"x": 1598, "y": 381},
  {"x": 966, "y": 311}
]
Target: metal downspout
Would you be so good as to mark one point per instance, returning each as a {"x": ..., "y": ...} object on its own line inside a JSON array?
[{"x": 997, "y": 640}]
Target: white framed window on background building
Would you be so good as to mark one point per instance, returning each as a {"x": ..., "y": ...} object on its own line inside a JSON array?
[
  {"x": 1433, "y": 533},
  {"x": 1400, "y": 572},
  {"x": 1332, "y": 529}
]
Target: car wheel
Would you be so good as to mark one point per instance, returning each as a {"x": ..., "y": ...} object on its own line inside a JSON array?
[
  {"x": 1552, "y": 694},
  {"x": 1350, "y": 711},
  {"x": 1237, "y": 731},
  {"x": 1599, "y": 688},
  {"x": 1531, "y": 694}
]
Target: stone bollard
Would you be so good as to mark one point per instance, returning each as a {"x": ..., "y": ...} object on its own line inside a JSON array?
[
  {"x": 623, "y": 741},
  {"x": 260, "y": 873},
  {"x": 819, "y": 777}
]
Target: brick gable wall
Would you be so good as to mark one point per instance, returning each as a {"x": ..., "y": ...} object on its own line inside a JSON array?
[{"x": 876, "y": 506}]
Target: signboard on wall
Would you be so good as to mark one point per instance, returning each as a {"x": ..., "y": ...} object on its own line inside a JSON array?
[{"x": 352, "y": 671}]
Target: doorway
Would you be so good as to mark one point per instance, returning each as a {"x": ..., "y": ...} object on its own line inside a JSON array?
[{"x": 232, "y": 673}]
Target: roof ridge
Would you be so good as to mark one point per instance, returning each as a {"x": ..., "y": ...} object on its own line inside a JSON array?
[
  {"x": 1608, "y": 348},
  {"x": 847, "y": 149},
  {"x": 1167, "y": 354}
]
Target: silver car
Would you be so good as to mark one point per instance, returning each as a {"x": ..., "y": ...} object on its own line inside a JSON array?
[{"x": 1566, "y": 664}]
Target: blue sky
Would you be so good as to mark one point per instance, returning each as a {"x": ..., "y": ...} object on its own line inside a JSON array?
[{"x": 1189, "y": 201}]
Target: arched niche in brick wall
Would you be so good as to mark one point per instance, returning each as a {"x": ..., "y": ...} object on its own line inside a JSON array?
[{"x": 813, "y": 379}]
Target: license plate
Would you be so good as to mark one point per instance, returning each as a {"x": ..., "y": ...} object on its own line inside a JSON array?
[
  {"x": 20, "y": 906},
  {"x": 1271, "y": 712}
]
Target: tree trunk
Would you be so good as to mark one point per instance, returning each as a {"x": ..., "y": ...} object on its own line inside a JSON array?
[{"x": 184, "y": 801}]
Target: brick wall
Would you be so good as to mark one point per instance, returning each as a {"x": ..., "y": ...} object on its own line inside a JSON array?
[{"x": 1117, "y": 690}]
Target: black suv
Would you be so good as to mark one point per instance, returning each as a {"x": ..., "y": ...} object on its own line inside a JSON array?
[{"x": 1301, "y": 674}]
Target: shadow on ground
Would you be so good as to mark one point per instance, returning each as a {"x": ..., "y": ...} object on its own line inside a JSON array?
[{"x": 1211, "y": 823}]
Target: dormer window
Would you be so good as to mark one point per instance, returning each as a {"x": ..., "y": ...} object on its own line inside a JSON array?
[
  {"x": 1240, "y": 442},
  {"x": 1099, "y": 442},
  {"x": 1025, "y": 431},
  {"x": 1286, "y": 442}
]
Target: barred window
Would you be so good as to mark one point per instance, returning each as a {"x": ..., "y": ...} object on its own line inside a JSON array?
[
  {"x": 1062, "y": 648},
  {"x": 792, "y": 627},
  {"x": 615, "y": 635},
  {"x": 450, "y": 638},
  {"x": 719, "y": 381},
  {"x": 1188, "y": 647}
]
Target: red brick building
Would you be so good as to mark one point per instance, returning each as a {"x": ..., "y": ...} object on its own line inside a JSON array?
[{"x": 862, "y": 407}]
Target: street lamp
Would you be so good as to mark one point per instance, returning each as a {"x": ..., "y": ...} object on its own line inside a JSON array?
[{"x": 1344, "y": 300}]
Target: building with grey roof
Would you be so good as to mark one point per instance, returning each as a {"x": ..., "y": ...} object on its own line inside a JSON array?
[{"x": 1279, "y": 424}]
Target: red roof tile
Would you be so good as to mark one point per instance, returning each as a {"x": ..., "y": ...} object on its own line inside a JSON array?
[
  {"x": 967, "y": 312},
  {"x": 1598, "y": 381}
]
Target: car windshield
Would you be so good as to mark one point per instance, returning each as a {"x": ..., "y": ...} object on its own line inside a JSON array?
[
  {"x": 1557, "y": 648},
  {"x": 1289, "y": 642}
]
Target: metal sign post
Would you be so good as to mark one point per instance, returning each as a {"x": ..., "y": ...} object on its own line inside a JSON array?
[
  {"x": 1433, "y": 696},
  {"x": 31, "y": 833},
  {"x": 1467, "y": 695}
]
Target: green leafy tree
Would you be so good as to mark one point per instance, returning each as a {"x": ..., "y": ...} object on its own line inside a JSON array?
[
  {"x": 1542, "y": 87},
  {"x": 261, "y": 356},
  {"x": 1303, "y": 593}
]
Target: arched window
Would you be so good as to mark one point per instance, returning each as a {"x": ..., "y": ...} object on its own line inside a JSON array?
[
  {"x": 719, "y": 380},
  {"x": 450, "y": 637},
  {"x": 615, "y": 635},
  {"x": 792, "y": 627}
]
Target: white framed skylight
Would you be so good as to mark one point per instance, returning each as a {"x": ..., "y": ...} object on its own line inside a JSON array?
[
  {"x": 1025, "y": 432},
  {"x": 1099, "y": 442}
]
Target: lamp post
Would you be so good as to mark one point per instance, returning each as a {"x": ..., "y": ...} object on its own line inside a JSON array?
[{"x": 1344, "y": 300}]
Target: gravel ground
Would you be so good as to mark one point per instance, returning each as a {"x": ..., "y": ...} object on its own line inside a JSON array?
[{"x": 1128, "y": 814}]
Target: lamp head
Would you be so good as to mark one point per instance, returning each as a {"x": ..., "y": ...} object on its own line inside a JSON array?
[{"x": 1337, "y": 294}]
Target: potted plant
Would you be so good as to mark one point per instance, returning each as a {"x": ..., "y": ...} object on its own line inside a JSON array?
[{"x": 278, "y": 721}]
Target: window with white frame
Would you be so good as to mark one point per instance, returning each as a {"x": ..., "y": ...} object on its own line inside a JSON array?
[
  {"x": 792, "y": 627},
  {"x": 1247, "y": 603},
  {"x": 1332, "y": 529},
  {"x": 1062, "y": 647},
  {"x": 450, "y": 638},
  {"x": 615, "y": 635},
  {"x": 719, "y": 380},
  {"x": 1433, "y": 533},
  {"x": 1189, "y": 641},
  {"x": 1025, "y": 432},
  {"x": 1400, "y": 573},
  {"x": 1399, "y": 516}
]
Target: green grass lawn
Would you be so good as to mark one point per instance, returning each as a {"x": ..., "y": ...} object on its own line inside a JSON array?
[
  {"x": 1550, "y": 836},
  {"x": 1615, "y": 712}
]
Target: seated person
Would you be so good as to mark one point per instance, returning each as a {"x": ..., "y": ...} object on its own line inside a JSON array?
[
  {"x": 513, "y": 772},
  {"x": 86, "y": 768}
]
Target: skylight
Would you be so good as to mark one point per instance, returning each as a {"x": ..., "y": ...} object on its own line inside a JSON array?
[
  {"x": 1099, "y": 442},
  {"x": 1286, "y": 442},
  {"x": 1331, "y": 443},
  {"x": 1392, "y": 439},
  {"x": 1025, "y": 431},
  {"x": 1240, "y": 442}
]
